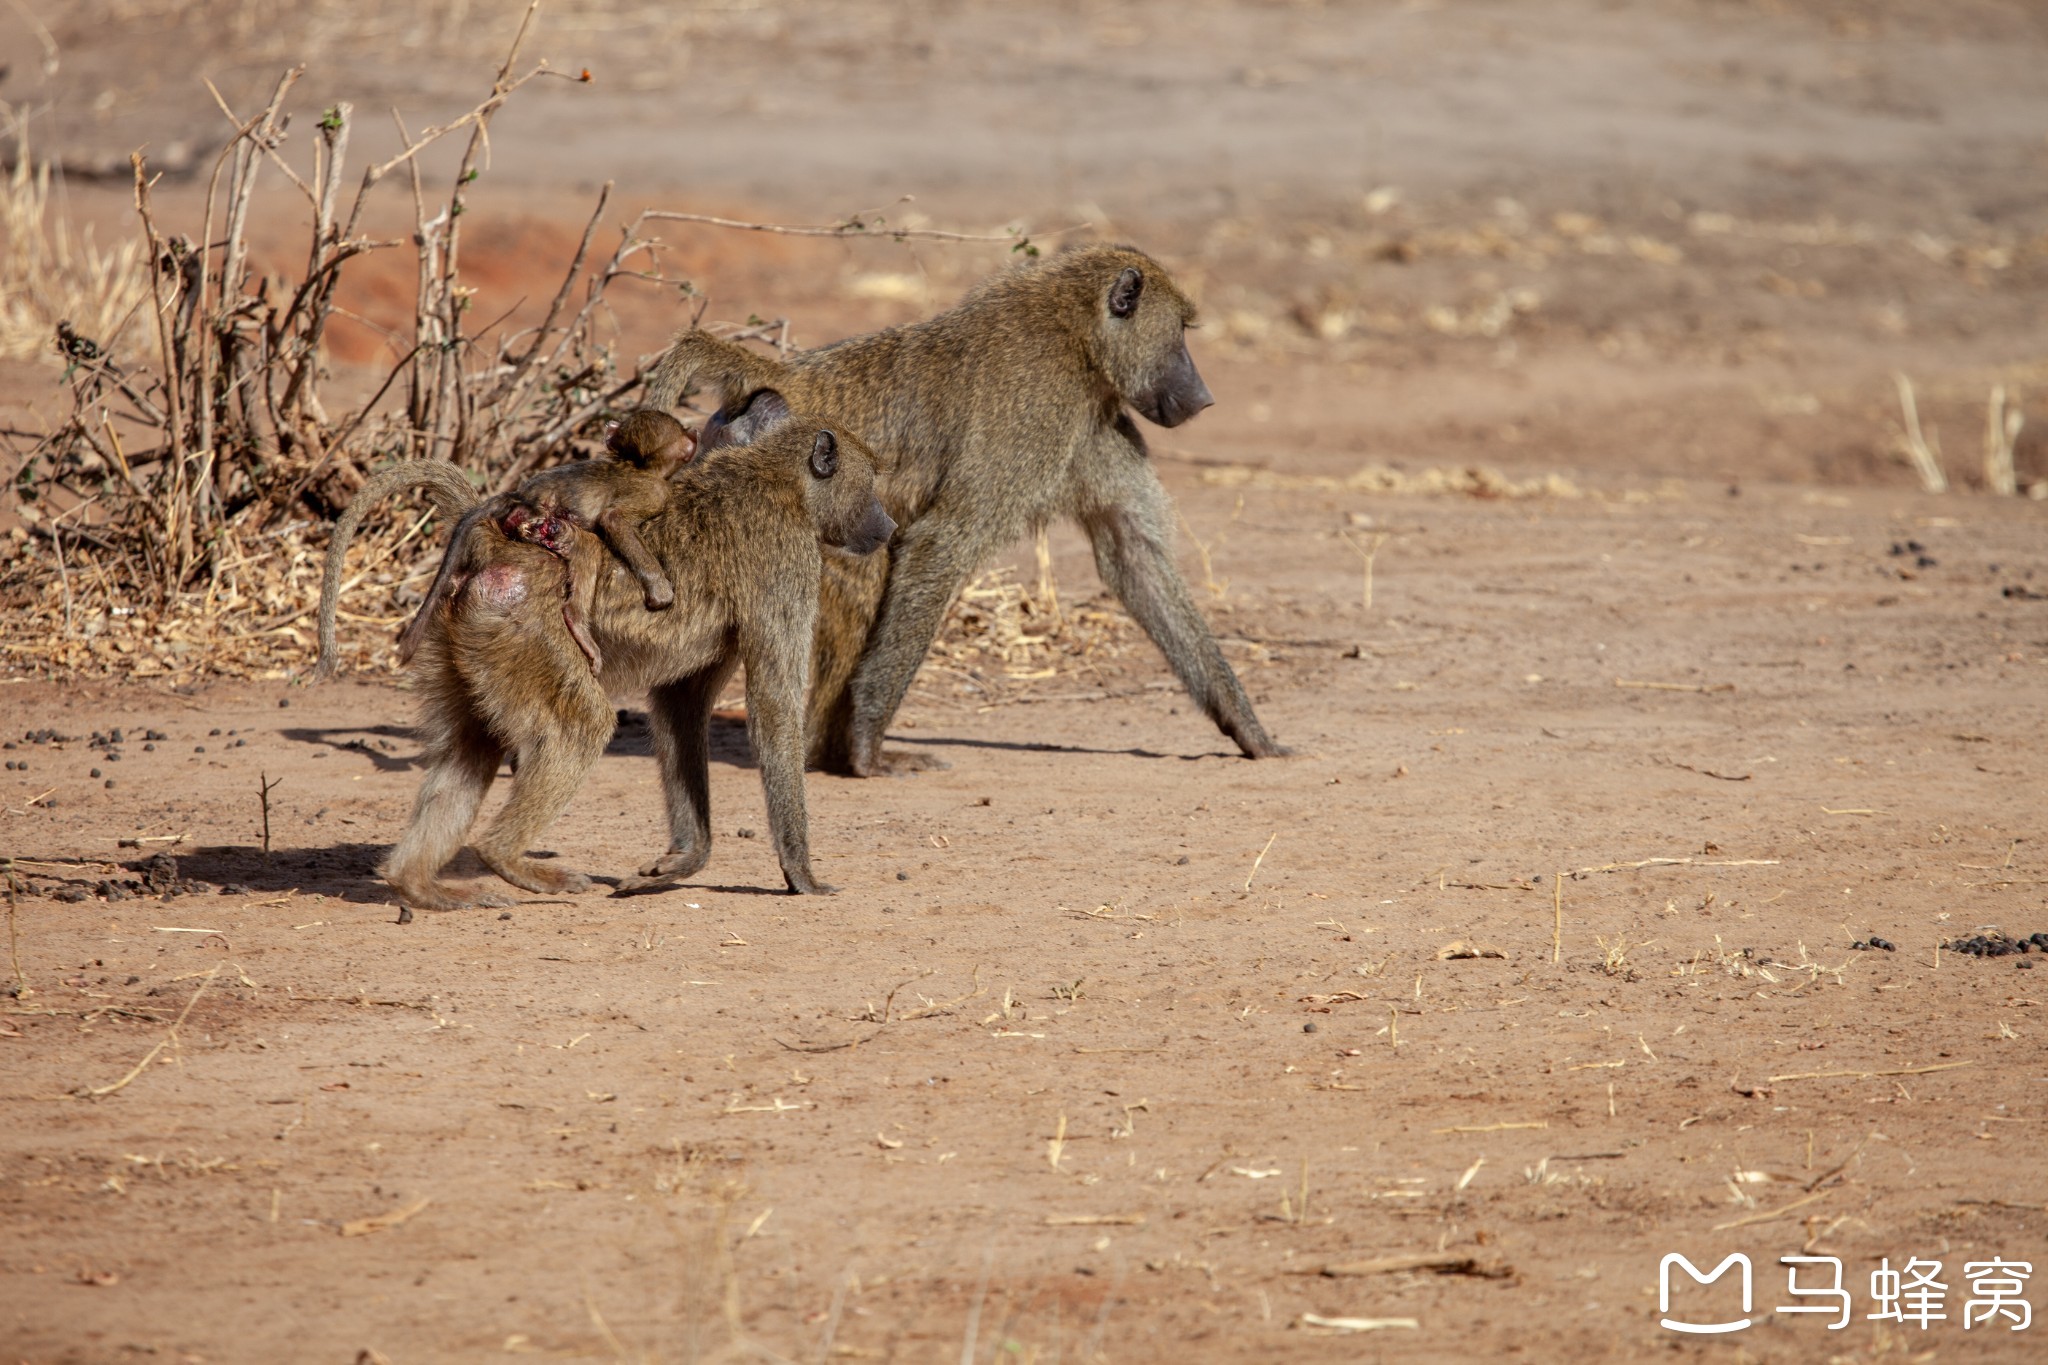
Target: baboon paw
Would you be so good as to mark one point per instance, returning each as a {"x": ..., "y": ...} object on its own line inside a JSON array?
[
  {"x": 638, "y": 883},
  {"x": 810, "y": 887}
]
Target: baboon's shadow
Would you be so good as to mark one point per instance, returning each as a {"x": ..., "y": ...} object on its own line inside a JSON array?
[
  {"x": 729, "y": 744},
  {"x": 344, "y": 871}
]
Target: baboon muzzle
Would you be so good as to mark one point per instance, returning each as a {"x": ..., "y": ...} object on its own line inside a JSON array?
[
  {"x": 873, "y": 533},
  {"x": 1179, "y": 394}
]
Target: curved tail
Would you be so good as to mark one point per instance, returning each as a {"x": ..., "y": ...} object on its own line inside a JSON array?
[
  {"x": 727, "y": 368},
  {"x": 453, "y": 495}
]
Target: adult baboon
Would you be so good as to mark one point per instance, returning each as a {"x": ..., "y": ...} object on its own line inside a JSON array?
[
  {"x": 991, "y": 419},
  {"x": 498, "y": 672}
]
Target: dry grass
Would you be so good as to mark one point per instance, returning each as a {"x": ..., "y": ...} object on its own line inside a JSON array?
[
  {"x": 1002, "y": 635},
  {"x": 51, "y": 275}
]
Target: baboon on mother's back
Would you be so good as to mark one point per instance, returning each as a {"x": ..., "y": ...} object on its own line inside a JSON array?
[{"x": 991, "y": 419}]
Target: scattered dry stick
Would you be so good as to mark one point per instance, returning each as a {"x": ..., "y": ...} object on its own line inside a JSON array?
[
  {"x": 1557, "y": 921},
  {"x": 21, "y": 986},
  {"x": 170, "y": 1035},
  {"x": 1771, "y": 1214},
  {"x": 266, "y": 784},
  {"x": 1367, "y": 552},
  {"x": 1924, "y": 455},
  {"x": 2001, "y": 428},
  {"x": 1674, "y": 687},
  {"x": 1435, "y": 1261},
  {"x": 361, "y": 1227},
  {"x": 1866, "y": 1075},
  {"x": 1260, "y": 859}
]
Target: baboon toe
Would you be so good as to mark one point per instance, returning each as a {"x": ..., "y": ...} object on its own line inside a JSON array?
[{"x": 662, "y": 872}]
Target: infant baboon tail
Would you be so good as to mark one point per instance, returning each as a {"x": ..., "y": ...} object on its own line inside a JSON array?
[
  {"x": 446, "y": 484},
  {"x": 726, "y": 368}
]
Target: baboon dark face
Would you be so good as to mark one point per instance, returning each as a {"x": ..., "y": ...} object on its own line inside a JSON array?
[{"x": 1141, "y": 321}]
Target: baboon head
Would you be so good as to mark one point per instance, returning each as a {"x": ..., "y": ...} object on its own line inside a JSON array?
[
  {"x": 835, "y": 470},
  {"x": 650, "y": 439},
  {"x": 1138, "y": 317}
]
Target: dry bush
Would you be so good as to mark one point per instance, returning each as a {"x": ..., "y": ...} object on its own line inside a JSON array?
[{"x": 169, "y": 520}]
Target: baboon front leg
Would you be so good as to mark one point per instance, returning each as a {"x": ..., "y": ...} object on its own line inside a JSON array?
[
  {"x": 618, "y": 532},
  {"x": 1127, "y": 527},
  {"x": 925, "y": 571},
  {"x": 552, "y": 764},
  {"x": 775, "y": 725},
  {"x": 459, "y": 775},
  {"x": 680, "y": 714}
]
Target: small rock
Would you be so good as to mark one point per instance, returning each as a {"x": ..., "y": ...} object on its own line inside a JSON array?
[{"x": 1309, "y": 1027}]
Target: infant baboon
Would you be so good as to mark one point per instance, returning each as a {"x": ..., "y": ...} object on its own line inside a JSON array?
[
  {"x": 607, "y": 498},
  {"x": 498, "y": 672},
  {"x": 991, "y": 419}
]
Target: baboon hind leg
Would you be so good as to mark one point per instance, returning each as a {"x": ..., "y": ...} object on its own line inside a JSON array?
[
  {"x": 552, "y": 764},
  {"x": 849, "y": 595},
  {"x": 460, "y": 773},
  {"x": 927, "y": 567}
]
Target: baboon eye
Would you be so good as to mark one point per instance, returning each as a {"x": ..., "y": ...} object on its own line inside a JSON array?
[
  {"x": 825, "y": 455},
  {"x": 1123, "y": 295}
]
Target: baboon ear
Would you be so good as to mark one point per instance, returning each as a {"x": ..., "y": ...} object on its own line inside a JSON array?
[
  {"x": 1123, "y": 295},
  {"x": 760, "y": 411},
  {"x": 825, "y": 455}
]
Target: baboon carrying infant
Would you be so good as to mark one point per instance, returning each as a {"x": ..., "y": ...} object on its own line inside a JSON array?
[
  {"x": 561, "y": 509},
  {"x": 499, "y": 672},
  {"x": 991, "y": 419}
]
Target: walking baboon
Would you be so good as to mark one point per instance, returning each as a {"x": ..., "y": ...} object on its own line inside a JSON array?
[
  {"x": 605, "y": 498},
  {"x": 498, "y": 672},
  {"x": 991, "y": 419}
]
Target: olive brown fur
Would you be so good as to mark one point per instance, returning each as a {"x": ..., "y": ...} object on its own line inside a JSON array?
[
  {"x": 499, "y": 674},
  {"x": 991, "y": 419}
]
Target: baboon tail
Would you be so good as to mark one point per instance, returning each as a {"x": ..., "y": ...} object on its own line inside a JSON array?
[
  {"x": 445, "y": 483},
  {"x": 726, "y": 368}
]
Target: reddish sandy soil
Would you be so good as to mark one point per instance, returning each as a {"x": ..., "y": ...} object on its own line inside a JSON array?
[{"x": 1114, "y": 1045}]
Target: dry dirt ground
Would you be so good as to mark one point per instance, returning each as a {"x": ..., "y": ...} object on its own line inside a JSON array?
[{"x": 1116, "y": 1046}]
